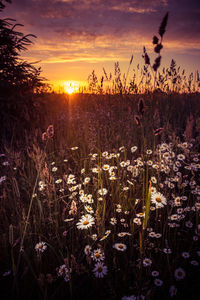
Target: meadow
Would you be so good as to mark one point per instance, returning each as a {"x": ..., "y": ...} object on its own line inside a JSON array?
[
  {"x": 100, "y": 198},
  {"x": 100, "y": 191}
]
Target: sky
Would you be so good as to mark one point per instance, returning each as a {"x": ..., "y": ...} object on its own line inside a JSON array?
[{"x": 75, "y": 37}]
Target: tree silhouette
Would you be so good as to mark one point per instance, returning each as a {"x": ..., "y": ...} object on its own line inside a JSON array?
[
  {"x": 18, "y": 80},
  {"x": 15, "y": 73}
]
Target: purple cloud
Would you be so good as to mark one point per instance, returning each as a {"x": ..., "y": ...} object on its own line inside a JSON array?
[{"x": 97, "y": 30}]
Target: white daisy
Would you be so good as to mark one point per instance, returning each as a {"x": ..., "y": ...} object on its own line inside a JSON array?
[
  {"x": 179, "y": 274},
  {"x": 87, "y": 249},
  {"x": 103, "y": 191},
  {"x": 194, "y": 263},
  {"x": 54, "y": 169},
  {"x": 106, "y": 167},
  {"x": 58, "y": 181},
  {"x": 185, "y": 254},
  {"x": 100, "y": 270},
  {"x": 181, "y": 156},
  {"x": 158, "y": 282},
  {"x": 120, "y": 246},
  {"x": 89, "y": 209},
  {"x": 85, "y": 222},
  {"x": 147, "y": 262},
  {"x": 122, "y": 234},
  {"x": 133, "y": 149},
  {"x": 137, "y": 221},
  {"x": 74, "y": 148},
  {"x": 98, "y": 255},
  {"x": 86, "y": 180},
  {"x": 113, "y": 221},
  {"x": 40, "y": 247},
  {"x": 155, "y": 273},
  {"x": 153, "y": 179},
  {"x": 158, "y": 199}
]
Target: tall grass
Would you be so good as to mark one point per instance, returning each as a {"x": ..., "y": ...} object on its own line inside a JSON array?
[{"x": 41, "y": 203}]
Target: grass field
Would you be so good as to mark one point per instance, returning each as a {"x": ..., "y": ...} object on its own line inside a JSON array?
[{"x": 100, "y": 197}]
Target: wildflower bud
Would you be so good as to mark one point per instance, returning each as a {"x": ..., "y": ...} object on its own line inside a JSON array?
[
  {"x": 50, "y": 131},
  {"x": 73, "y": 208}
]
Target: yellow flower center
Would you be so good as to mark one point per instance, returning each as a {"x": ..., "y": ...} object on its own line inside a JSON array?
[
  {"x": 97, "y": 255},
  {"x": 86, "y": 222},
  {"x": 158, "y": 199},
  {"x": 99, "y": 269}
]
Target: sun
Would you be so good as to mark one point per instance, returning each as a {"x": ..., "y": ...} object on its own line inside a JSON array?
[{"x": 71, "y": 87}]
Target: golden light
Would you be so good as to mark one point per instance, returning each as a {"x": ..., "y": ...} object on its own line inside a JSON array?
[{"x": 71, "y": 87}]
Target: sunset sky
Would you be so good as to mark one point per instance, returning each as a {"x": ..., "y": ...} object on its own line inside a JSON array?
[{"x": 76, "y": 36}]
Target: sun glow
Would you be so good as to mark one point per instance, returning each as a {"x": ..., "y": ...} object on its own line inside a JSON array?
[{"x": 71, "y": 87}]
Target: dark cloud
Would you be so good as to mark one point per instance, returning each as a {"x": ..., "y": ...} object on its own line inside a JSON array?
[
  {"x": 93, "y": 17},
  {"x": 57, "y": 19}
]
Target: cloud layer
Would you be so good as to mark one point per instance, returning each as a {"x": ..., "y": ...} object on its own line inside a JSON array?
[{"x": 102, "y": 30}]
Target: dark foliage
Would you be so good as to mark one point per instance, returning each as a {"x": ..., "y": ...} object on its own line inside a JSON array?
[
  {"x": 18, "y": 79},
  {"x": 16, "y": 74}
]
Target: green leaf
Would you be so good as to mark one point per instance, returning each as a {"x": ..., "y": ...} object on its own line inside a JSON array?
[{"x": 147, "y": 207}]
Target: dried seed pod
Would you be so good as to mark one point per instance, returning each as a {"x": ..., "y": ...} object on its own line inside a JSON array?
[
  {"x": 146, "y": 57},
  {"x": 163, "y": 25},
  {"x": 155, "y": 40},
  {"x": 158, "y": 47},
  {"x": 157, "y": 63}
]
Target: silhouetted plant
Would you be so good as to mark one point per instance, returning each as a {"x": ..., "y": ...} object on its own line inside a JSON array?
[
  {"x": 93, "y": 82},
  {"x": 158, "y": 47},
  {"x": 15, "y": 73},
  {"x": 18, "y": 80},
  {"x": 118, "y": 86}
]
